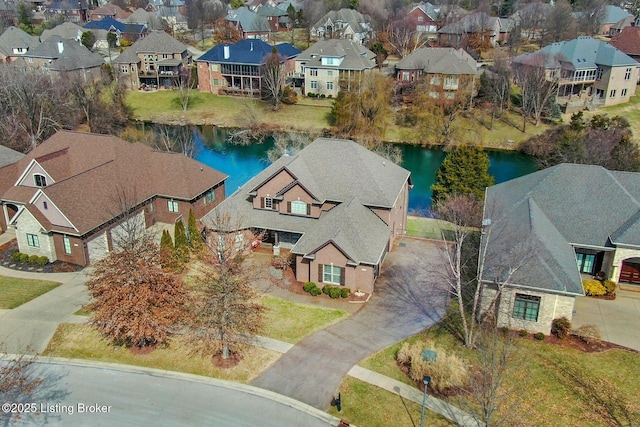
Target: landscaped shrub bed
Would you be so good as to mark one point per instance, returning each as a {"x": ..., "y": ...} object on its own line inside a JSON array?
[{"x": 30, "y": 259}]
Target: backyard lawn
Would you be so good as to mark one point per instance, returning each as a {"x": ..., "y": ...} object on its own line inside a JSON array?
[
  {"x": 429, "y": 228},
  {"x": 15, "y": 292}
]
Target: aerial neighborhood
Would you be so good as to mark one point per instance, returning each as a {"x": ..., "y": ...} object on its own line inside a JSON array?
[{"x": 319, "y": 212}]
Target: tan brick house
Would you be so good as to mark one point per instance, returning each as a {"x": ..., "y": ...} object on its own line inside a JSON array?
[
  {"x": 66, "y": 197},
  {"x": 335, "y": 205}
]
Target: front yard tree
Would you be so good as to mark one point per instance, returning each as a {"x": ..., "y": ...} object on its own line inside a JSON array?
[
  {"x": 464, "y": 170},
  {"x": 273, "y": 78},
  {"x": 224, "y": 307},
  {"x": 136, "y": 301},
  {"x": 17, "y": 383}
]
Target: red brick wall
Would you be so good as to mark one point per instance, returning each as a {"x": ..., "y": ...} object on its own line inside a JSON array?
[
  {"x": 206, "y": 77},
  {"x": 78, "y": 255}
]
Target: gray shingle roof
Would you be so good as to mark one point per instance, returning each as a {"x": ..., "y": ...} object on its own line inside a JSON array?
[
  {"x": 331, "y": 170},
  {"x": 8, "y": 156},
  {"x": 157, "y": 42},
  {"x": 471, "y": 23},
  {"x": 14, "y": 37},
  {"x": 250, "y": 21},
  {"x": 578, "y": 205},
  {"x": 356, "y": 57},
  {"x": 349, "y": 16},
  {"x": 66, "y": 55},
  {"x": 439, "y": 60},
  {"x": 66, "y": 30}
]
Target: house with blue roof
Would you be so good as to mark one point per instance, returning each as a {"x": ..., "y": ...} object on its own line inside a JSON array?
[
  {"x": 131, "y": 32},
  {"x": 237, "y": 69},
  {"x": 590, "y": 73}
]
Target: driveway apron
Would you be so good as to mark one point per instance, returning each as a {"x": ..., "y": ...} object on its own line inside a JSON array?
[{"x": 406, "y": 301}]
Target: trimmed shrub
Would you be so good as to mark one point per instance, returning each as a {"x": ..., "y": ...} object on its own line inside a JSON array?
[
  {"x": 610, "y": 287},
  {"x": 315, "y": 291},
  {"x": 16, "y": 256},
  {"x": 335, "y": 292},
  {"x": 345, "y": 292},
  {"x": 308, "y": 286},
  {"x": 593, "y": 287},
  {"x": 589, "y": 334},
  {"x": 24, "y": 258},
  {"x": 446, "y": 372},
  {"x": 523, "y": 332},
  {"x": 561, "y": 327},
  {"x": 311, "y": 95},
  {"x": 539, "y": 336},
  {"x": 326, "y": 289},
  {"x": 504, "y": 330},
  {"x": 33, "y": 259},
  {"x": 43, "y": 260}
]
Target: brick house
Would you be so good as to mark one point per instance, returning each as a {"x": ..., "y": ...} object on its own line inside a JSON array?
[
  {"x": 425, "y": 16},
  {"x": 237, "y": 69},
  {"x": 66, "y": 197},
  {"x": 545, "y": 229},
  {"x": 335, "y": 205}
]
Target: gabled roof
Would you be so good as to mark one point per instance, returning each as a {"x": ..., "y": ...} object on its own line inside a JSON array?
[
  {"x": 581, "y": 53},
  {"x": 157, "y": 42},
  {"x": 614, "y": 14},
  {"x": 111, "y": 10},
  {"x": 140, "y": 16},
  {"x": 628, "y": 41},
  {"x": 105, "y": 23},
  {"x": 90, "y": 169},
  {"x": 439, "y": 60},
  {"x": 358, "y": 22},
  {"x": 472, "y": 23},
  {"x": 248, "y": 51},
  {"x": 355, "y": 56},
  {"x": 65, "y": 55},
  {"x": 66, "y": 30},
  {"x": 14, "y": 37},
  {"x": 428, "y": 9},
  {"x": 333, "y": 170},
  {"x": 250, "y": 21},
  {"x": 265, "y": 10}
]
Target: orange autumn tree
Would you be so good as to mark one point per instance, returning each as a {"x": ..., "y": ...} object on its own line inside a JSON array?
[{"x": 136, "y": 300}]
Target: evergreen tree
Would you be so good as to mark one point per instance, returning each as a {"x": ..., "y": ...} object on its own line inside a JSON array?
[
  {"x": 195, "y": 238},
  {"x": 166, "y": 242},
  {"x": 181, "y": 243},
  {"x": 24, "y": 18},
  {"x": 88, "y": 39},
  {"x": 465, "y": 170}
]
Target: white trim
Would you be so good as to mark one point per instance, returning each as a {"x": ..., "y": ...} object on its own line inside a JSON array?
[
  {"x": 28, "y": 170},
  {"x": 37, "y": 195}
]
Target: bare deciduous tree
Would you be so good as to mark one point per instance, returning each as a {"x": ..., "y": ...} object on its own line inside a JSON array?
[
  {"x": 176, "y": 139},
  {"x": 538, "y": 87},
  {"x": 273, "y": 77},
  {"x": 130, "y": 232},
  {"x": 498, "y": 85},
  {"x": 404, "y": 38},
  {"x": 17, "y": 383},
  {"x": 224, "y": 307},
  {"x": 289, "y": 144},
  {"x": 559, "y": 24}
]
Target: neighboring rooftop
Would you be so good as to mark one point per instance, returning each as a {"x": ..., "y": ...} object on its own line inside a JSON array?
[
  {"x": 15, "y": 38},
  {"x": 8, "y": 156},
  {"x": 157, "y": 42},
  {"x": 247, "y": 51},
  {"x": 439, "y": 60},
  {"x": 354, "y": 56}
]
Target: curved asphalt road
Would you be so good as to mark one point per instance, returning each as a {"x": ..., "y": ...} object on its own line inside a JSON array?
[
  {"x": 130, "y": 396},
  {"x": 406, "y": 301}
]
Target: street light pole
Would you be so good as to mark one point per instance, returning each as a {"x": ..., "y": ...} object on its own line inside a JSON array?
[{"x": 425, "y": 380}]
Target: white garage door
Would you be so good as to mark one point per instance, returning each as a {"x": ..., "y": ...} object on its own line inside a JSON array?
[{"x": 98, "y": 247}]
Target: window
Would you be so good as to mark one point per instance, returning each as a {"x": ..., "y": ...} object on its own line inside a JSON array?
[
  {"x": 329, "y": 85},
  {"x": 216, "y": 82},
  {"x": 32, "y": 240},
  {"x": 45, "y": 205},
  {"x": 599, "y": 74},
  {"x": 214, "y": 67},
  {"x": 67, "y": 244},
  {"x": 526, "y": 307},
  {"x": 268, "y": 203},
  {"x": 451, "y": 83},
  {"x": 420, "y": 18},
  {"x": 40, "y": 180},
  {"x": 173, "y": 206},
  {"x": 299, "y": 207},
  {"x": 627, "y": 74},
  {"x": 314, "y": 84},
  {"x": 209, "y": 197},
  {"x": 623, "y": 92},
  {"x": 436, "y": 80},
  {"x": 332, "y": 274},
  {"x": 405, "y": 76},
  {"x": 313, "y": 72},
  {"x": 612, "y": 94},
  {"x": 586, "y": 262},
  {"x": 124, "y": 69},
  {"x": 329, "y": 73}
]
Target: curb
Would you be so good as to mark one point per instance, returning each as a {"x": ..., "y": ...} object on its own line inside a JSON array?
[{"x": 245, "y": 388}]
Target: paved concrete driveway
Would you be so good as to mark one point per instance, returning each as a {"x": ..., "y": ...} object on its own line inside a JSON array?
[
  {"x": 618, "y": 320},
  {"x": 406, "y": 301}
]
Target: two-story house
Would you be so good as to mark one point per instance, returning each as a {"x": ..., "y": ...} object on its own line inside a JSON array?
[
  {"x": 155, "y": 61},
  {"x": 328, "y": 64},
  {"x": 343, "y": 24},
  {"x": 425, "y": 17},
  {"x": 66, "y": 198},
  {"x": 448, "y": 72},
  {"x": 249, "y": 23},
  {"x": 589, "y": 72},
  {"x": 238, "y": 68},
  {"x": 335, "y": 205},
  {"x": 14, "y": 43},
  {"x": 476, "y": 30},
  {"x": 74, "y": 11}
]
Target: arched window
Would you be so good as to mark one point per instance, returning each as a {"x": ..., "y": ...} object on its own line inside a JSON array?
[
  {"x": 40, "y": 180},
  {"x": 299, "y": 207}
]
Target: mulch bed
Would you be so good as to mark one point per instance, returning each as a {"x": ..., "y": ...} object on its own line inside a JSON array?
[
  {"x": 6, "y": 260},
  {"x": 295, "y": 287},
  {"x": 573, "y": 341},
  {"x": 147, "y": 349},
  {"x": 230, "y": 362}
]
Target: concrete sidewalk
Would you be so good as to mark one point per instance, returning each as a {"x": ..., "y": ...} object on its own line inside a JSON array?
[{"x": 617, "y": 320}]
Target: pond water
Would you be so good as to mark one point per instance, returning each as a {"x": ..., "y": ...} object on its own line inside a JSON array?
[{"x": 242, "y": 162}]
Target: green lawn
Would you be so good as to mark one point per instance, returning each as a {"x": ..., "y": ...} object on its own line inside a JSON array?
[
  {"x": 629, "y": 110},
  {"x": 563, "y": 386},
  {"x": 15, "y": 292},
  {"x": 84, "y": 342},
  {"x": 290, "y": 322},
  {"x": 429, "y": 228}
]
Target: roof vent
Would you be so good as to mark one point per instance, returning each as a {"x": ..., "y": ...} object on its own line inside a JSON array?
[
  {"x": 226, "y": 52},
  {"x": 60, "y": 46}
]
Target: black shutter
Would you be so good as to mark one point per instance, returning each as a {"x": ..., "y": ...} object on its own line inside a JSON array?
[
  {"x": 320, "y": 275},
  {"x": 288, "y": 207},
  {"x": 342, "y": 276},
  {"x": 308, "y": 209},
  {"x": 262, "y": 202}
]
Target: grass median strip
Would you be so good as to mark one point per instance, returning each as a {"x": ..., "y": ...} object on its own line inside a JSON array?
[{"x": 15, "y": 292}]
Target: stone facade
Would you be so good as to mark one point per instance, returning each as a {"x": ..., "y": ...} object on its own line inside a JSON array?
[{"x": 28, "y": 225}]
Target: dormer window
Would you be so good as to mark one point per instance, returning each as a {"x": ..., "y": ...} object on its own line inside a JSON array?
[
  {"x": 40, "y": 180},
  {"x": 268, "y": 203},
  {"x": 299, "y": 207}
]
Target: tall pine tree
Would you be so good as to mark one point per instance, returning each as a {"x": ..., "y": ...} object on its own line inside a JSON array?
[
  {"x": 465, "y": 170},
  {"x": 195, "y": 238}
]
